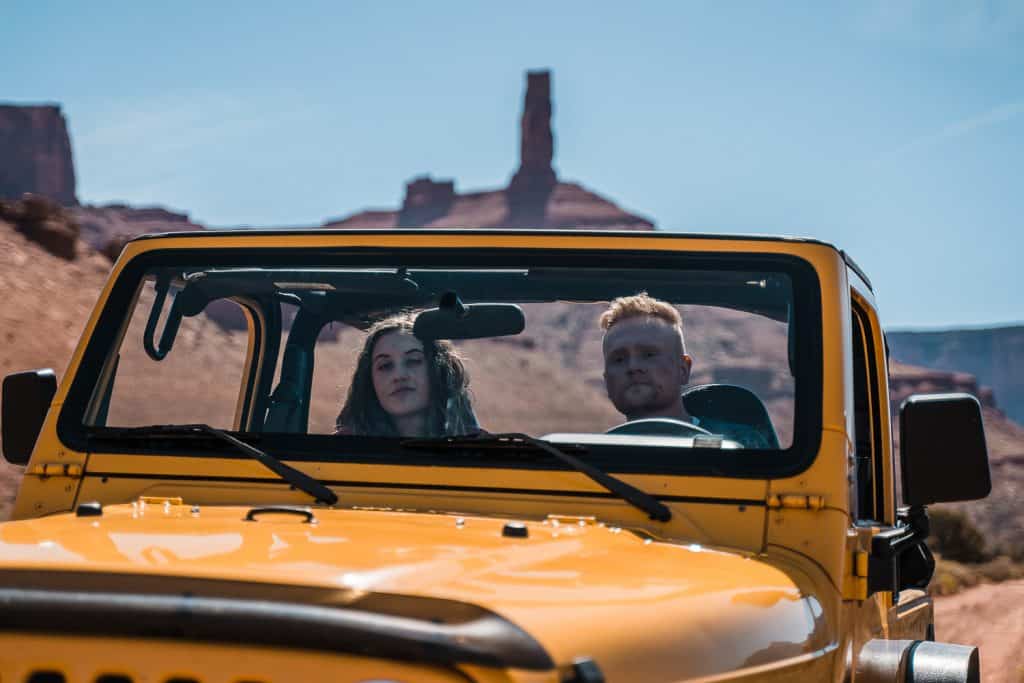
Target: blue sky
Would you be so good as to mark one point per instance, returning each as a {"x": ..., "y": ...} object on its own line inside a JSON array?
[{"x": 894, "y": 129}]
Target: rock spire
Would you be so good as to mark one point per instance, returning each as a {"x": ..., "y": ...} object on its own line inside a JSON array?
[{"x": 531, "y": 186}]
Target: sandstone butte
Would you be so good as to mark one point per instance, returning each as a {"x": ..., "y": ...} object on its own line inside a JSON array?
[
  {"x": 534, "y": 198},
  {"x": 992, "y": 355},
  {"x": 35, "y": 153}
]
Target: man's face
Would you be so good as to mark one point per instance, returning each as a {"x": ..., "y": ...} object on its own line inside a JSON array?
[{"x": 644, "y": 367}]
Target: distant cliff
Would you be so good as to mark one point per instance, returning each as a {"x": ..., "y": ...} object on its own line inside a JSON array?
[
  {"x": 534, "y": 197},
  {"x": 995, "y": 356},
  {"x": 35, "y": 154},
  {"x": 432, "y": 204},
  {"x": 107, "y": 228}
]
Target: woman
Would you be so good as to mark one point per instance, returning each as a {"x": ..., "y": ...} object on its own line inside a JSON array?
[{"x": 406, "y": 387}]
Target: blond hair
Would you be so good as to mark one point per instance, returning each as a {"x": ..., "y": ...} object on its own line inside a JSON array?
[{"x": 642, "y": 305}]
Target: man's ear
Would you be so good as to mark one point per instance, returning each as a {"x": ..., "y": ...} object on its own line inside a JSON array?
[{"x": 687, "y": 364}]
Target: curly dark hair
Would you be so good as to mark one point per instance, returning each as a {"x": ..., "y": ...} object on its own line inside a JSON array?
[{"x": 450, "y": 410}]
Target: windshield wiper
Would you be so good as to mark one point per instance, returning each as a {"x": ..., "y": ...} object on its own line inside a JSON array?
[
  {"x": 484, "y": 441},
  {"x": 296, "y": 478}
]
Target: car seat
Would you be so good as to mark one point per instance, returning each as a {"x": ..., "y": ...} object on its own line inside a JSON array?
[{"x": 732, "y": 411}]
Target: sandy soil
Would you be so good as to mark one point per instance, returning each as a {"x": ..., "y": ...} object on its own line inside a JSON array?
[{"x": 991, "y": 616}]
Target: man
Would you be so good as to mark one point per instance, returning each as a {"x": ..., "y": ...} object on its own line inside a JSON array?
[
  {"x": 646, "y": 368},
  {"x": 645, "y": 361}
]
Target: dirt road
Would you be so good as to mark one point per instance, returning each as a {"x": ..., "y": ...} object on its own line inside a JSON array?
[{"x": 992, "y": 616}]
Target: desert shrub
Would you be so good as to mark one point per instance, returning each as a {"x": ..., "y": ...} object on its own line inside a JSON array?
[
  {"x": 1015, "y": 551},
  {"x": 1001, "y": 569},
  {"x": 45, "y": 222},
  {"x": 956, "y": 538},
  {"x": 952, "y": 577}
]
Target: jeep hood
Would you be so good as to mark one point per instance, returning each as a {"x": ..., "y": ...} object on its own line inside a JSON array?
[{"x": 639, "y": 607}]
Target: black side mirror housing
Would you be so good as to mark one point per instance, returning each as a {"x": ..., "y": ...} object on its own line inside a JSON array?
[
  {"x": 26, "y": 398},
  {"x": 943, "y": 455}
]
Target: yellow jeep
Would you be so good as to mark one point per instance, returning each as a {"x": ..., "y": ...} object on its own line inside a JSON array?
[{"x": 420, "y": 456}]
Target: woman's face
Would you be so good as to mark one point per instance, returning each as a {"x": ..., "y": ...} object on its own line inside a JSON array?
[{"x": 400, "y": 374}]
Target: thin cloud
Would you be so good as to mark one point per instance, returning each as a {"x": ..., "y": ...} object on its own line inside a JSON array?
[
  {"x": 992, "y": 117},
  {"x": 133, "y": 148},
  {"x": 168, "y": 124},
  {"x": 945, "y": 24},
  {"x": 972, "y": 124}
]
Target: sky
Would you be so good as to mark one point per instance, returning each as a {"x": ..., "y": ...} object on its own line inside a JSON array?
[{"x": 891, "y": 128}]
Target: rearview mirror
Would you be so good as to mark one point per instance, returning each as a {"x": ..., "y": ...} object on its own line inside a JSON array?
[
  {"x": 455, "y": 320},
  {"x": 26, "y": 398},
  {"x": 942, "y": 449}
]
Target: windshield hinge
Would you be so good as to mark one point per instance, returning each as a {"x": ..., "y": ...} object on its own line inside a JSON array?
[
  {"x": 55, "y": 469},
  {"x": 795, "y": 501},
  {"x": 855, "y": 584}
]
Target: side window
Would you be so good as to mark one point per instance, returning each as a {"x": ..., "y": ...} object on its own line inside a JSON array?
[
  {"x": 336, "y": 353},
  {"x": 198, "y": 381},
  {"x": 867, "y": 423}
]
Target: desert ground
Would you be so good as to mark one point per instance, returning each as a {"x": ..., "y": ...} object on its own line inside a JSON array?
[{"x": 991, "y": 616}]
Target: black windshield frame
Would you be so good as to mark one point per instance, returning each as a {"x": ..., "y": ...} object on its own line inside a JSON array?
[{"x": 807, "y": 318}]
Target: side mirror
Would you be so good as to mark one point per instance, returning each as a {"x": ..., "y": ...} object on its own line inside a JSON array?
[
  {"x": 942, "y": 449},
  {"x": 26, "y": 398}
]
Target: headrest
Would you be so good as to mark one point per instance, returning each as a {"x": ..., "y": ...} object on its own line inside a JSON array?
[{"x": 713, "y": 404}]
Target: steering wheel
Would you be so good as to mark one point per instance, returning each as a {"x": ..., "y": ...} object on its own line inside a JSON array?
[{"x": 658, "y": 426}]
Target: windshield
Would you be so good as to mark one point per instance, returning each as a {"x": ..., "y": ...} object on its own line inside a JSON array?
[{"x": 350, "y": 357}]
